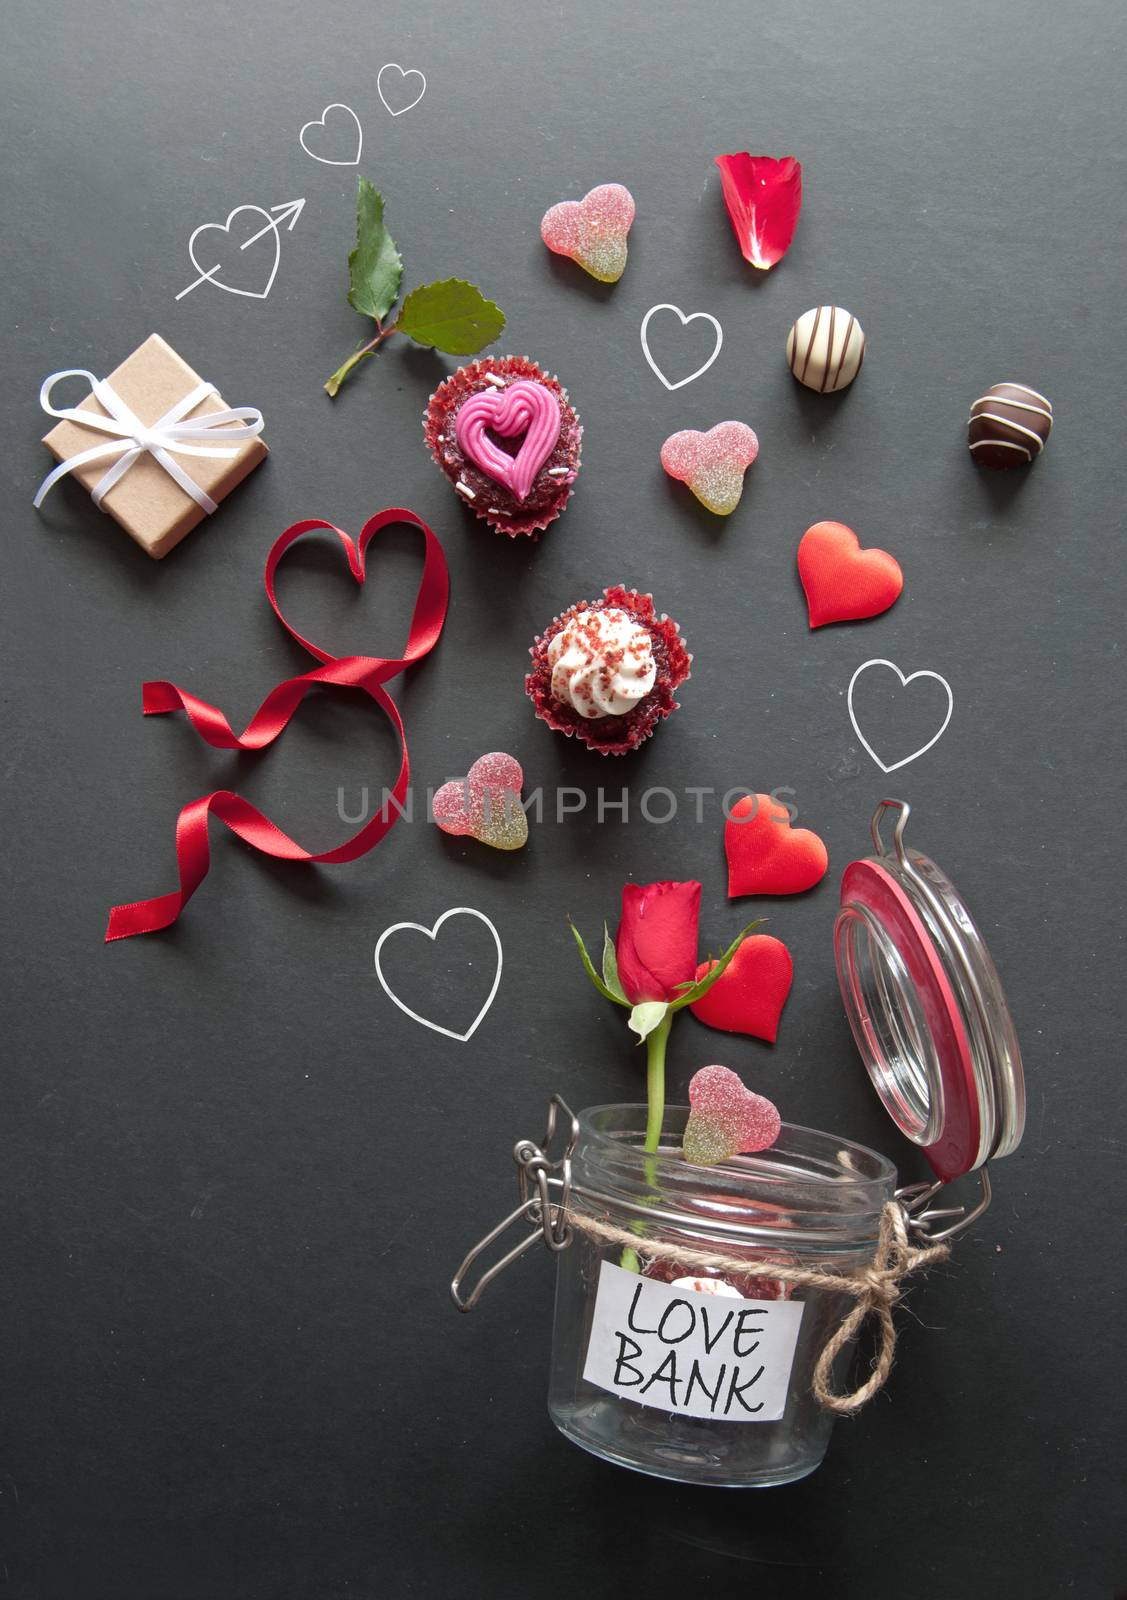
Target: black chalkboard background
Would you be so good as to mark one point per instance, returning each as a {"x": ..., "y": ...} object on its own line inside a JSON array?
[{"x": 235, "y": 1179}]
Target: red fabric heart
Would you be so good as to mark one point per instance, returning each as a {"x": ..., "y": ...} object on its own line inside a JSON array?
[
  {"x": 844, "y": 583},
  {"x": 749, "y": 995},
  {"x": 765, "y": 854}
]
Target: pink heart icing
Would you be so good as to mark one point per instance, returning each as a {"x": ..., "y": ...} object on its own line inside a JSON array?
[{"x": 521, "y": 407}]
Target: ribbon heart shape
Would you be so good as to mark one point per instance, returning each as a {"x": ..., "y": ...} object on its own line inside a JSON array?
[
  {"x": 368, "y": 673},
  {"x": 521, "y": 407}
]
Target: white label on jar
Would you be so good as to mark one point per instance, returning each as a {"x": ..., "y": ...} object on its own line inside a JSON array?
[{"x": 703, "y": 1354}]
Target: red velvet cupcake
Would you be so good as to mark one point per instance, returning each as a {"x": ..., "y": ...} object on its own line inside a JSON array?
[
  {"x": 606, "y": 671},
  {"x": 506, "y": 436}
]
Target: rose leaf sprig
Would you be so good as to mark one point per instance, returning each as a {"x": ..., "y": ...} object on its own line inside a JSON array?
[
  {"x": 451, "y": 315},
  {"x": 650, "y": 968}
]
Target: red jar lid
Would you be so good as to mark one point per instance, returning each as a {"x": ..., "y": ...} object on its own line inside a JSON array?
[{"x": 926, "y": 1007}]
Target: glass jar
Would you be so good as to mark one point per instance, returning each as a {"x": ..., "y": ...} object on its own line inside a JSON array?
[
  {"x": 811, "y": 1198},
  {"x": 668, "y": 1356}
]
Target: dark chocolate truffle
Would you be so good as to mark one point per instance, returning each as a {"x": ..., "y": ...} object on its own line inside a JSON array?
[{"x": 1009, "y": 426}]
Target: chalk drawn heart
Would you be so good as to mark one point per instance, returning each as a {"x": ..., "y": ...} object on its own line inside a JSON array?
[
  {"x": 271, "y": 251},
  {"x": 400, "y": 84},
  {"x": 904, "y": 682},
  {"x": 345, "y": 129},
  {"x": 432, "y": 934},
  {"x": 694, "y": 316},
  {"x": 522, "y": 408}
]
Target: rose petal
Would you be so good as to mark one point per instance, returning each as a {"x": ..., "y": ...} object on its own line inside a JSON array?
[{"x": 763, "y": 195}]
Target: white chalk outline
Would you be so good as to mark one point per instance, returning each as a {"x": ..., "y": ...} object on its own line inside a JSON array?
[
  {"x": 685, "y": 320},
  {"x": 287, "y": 213},
  {"x": 319, "y": 122},
  {"x": 404, "y": 72},
  {"x": 924, "y": 672},
  {"x": 432, "y": 934}
]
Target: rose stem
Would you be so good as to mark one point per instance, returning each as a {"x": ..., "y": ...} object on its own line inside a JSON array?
[
  {"x": 357, "y": 356},
  {"x": 655, "y": 1098},
  {"x": 655, "y": 1088}
]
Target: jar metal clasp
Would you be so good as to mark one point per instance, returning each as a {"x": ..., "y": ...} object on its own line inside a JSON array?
[
  {"x": 921, "y": 1216},
  {"x": 538, "y": 1174}
]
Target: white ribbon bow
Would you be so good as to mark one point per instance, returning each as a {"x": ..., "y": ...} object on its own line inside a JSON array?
[{"x": 132, "y": 438}]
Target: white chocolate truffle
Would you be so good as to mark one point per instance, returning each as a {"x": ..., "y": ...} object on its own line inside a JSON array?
[{"x": 825, "y": 348}]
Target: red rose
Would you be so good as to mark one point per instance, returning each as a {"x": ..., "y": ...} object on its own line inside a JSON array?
[{"x": 656, "y": 944}]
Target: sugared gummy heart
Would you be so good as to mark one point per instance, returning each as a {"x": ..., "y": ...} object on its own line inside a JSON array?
[
  {"x": 844, "y": 583},
  {"x": 725, "y": 1119},
  {"x": 485, "y": 804},
  {"x": 592, "y": 231},
  {"x": 749, "y": 995},
  {"x": 713, "y": 463},
  {"x": 765, "y": 854}
]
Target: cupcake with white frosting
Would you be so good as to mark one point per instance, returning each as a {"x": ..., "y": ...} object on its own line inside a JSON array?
[{"x": 606, "y": 671}]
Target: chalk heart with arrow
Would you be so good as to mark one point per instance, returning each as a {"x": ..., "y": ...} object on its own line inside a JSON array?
[{"x": 242, "y": 254}]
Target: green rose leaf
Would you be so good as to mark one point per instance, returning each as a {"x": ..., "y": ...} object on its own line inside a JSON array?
[
  {"x": 610, "y": 968},
  {"x": 588, "y": 967},
  {"x": 375, "y": 269},
  {"x": 453, "y": 316},
  {"x": 694, "y": 991},
  {"x": 646, "y": 1016}
]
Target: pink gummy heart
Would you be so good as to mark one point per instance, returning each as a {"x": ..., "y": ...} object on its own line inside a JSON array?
[
  {"x": 485, "y": 804},
  {"x": 521, "y": 407},
  {"x": 725, "y": 1119},
  {"x": 713, "y": 463},
  {"x": 592, "y": 231}
]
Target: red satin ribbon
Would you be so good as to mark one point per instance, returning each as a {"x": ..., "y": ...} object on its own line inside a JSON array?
[{"x": 369, "y": 673}]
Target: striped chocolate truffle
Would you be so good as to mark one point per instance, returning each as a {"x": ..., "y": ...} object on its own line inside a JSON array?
[
  {"x": 825, "y": 348},
  {"x": 1009, "y": 426}
]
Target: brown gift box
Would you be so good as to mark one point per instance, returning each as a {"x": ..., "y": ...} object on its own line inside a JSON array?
[{"x": 150, "y": 505}]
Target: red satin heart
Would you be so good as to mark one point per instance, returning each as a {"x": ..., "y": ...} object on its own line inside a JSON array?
[
  {"x": 844, "y": 583},
  {"x": 749, "y": 995},
  {"x": 765, "y": 854},
  {"x": 369, "y": 673}
]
